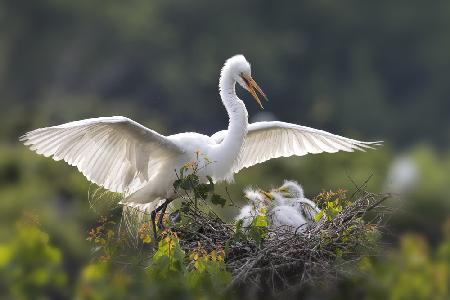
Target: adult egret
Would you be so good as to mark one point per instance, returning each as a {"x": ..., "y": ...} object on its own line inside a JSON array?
[{"x": 123, "y": 156}]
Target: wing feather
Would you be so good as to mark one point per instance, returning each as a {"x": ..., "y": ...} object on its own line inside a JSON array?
[
  {"x": 267, "y": 140},
  {"x": 113, "y": 152}
]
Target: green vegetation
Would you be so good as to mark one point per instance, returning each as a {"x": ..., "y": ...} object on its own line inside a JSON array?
[
  {"x": 29, "y": 266},
  {"x": 169, "y": 272},
  {"x": 413, "y": 271},
  {"x": 57, "y": 195},
  {"x": 365, "y": 70}
]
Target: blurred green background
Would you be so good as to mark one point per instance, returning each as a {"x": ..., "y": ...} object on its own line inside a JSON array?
[{"x": 368, "y": 70}]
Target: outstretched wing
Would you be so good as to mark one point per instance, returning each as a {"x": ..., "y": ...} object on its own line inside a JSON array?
[
  {"x": 114, "y": 152},
  {"x": 267, "y": 140}
]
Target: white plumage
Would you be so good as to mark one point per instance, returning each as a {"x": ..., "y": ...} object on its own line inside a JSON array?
[
  {"x": 257, "y": 199},
  {"x": 116, "y": 152},
  {"x": 258, "y": 206},
  {"x": 291, "y": 194},
  {"x": 247, "y": 214},
  {"x": 286, "y": 215},
  {"x": 267, "y": 140},
  {"x": 285, "y": 206},
  {"x": 123, "y": 156}
]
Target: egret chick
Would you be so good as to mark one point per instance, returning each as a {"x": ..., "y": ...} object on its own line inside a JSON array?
[
  {"x": 291, "y": 193},
  {"x": 291, "y": 189},
  {"x": 258, "y": 205},
  {"x": 246, "y": 214},
  {"x": 285, "y": 215}
]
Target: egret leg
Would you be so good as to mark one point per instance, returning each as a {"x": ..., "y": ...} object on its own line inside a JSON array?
[
  {"x": 163, "y": 208},
  {"x": 153, "y": 217}
]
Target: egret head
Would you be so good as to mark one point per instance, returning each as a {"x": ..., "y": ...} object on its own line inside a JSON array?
[
  {"x": 291, "y": 189},
  {"x": 239, "y": 68}
]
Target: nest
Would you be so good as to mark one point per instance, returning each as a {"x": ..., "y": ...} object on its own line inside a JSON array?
[{"x": 287, "y": 257}]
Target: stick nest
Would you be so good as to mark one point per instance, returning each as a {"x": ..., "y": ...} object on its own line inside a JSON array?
[{"x": 285, "y": 257}]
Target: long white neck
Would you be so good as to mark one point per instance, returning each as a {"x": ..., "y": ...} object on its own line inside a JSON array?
[{"x": 228, "y": 151}]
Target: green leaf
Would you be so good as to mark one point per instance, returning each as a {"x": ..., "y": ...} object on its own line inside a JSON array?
[
  {"x": 190, "y": 182},
  {"x": 318, "y": 216},
  {"x": 177, "y": 183},
  {"x": 260, "y": 221},
  {"x": 239, "y": 224},
  {"x": 169, "y": 248},
  {"x": 182, "y": 170},
  {"x": 201, "y": 191},
  {"x": 147, "y": 239},
  {"x": 218, "y": 200}
]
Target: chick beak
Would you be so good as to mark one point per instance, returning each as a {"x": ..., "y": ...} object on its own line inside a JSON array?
[
  {"x": 282, "y": 190},
  {"x": 268, "y": 195},
  {"x": 253, "y": 87}
]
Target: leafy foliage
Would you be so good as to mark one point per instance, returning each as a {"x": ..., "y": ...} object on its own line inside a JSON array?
[
  {"x": 164, "y": 265},
  {"x": 409, "y": 272},
  {"x": 22, "y": 276},
  {"x": 256, "y": 232},
  {"x": 168, "y": 257},
  {"x": 331, "y": 203},
  {"x": 168, "y": 272},
  {"x": 188, "y": 181}
]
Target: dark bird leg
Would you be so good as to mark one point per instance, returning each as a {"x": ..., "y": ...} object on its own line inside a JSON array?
[
  {"x": 161, "y": 208},
  {"x": 153, "y": 217},
  {"x": 163, "y": 211}
]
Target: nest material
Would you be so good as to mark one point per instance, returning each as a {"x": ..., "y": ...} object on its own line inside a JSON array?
[{"x": 287, "y": 257}]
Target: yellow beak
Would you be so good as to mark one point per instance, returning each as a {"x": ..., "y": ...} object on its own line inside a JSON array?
[
  {"x": 269, "y": 196},
  {"x": 282, "y": 190},
  {"x": 252, "y": 87}
]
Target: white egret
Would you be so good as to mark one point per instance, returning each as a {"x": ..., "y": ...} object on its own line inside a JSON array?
[
  {"x": 123, "y": 156},
  {"x": 285, "y": 206},
  {"x": 285, "y": 215},
  {"x": 291, "y": 189},
  {"x": 250, "y": 211},
  {"x": 258, "y": 203},
  {"x": 262, "y": 203},
  {"x": 246, "y": 214},
  {"x": 257, "y": 198},
  {"x": 291, "y": 194},
  {"x": 403, "y": 176}
]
